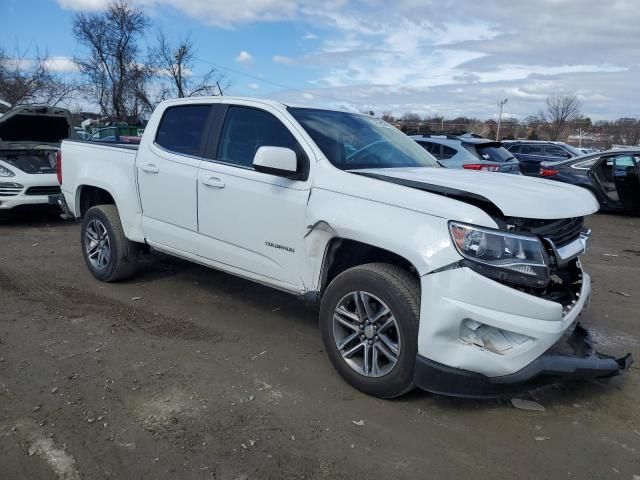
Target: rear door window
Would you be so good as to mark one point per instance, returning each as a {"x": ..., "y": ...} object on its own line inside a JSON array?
[
  {"x": 447, "y": 152},
  {"x": 182, "y": 127},
  {"x": 554, "y": 151},
  {"x": 532, "y": 150}
]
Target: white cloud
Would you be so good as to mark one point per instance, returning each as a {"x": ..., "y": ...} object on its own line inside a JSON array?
[
  {"x": 61, "y": 64},
  {"x": 413, "y": 54},
  {"x": 83, "y": 4},
  {"x": 253, "y": 86},
  {"x": 244, "y": 58},
  {"x": 283, "y": 60},
  {"x": 210, "y": 12}
]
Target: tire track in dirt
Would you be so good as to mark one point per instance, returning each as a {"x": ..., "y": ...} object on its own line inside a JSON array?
[{"x": 71, "y": 302}]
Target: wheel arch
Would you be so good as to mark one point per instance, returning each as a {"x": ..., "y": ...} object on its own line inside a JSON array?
[
  {"x": 88, "y": 196},
  {"x": 343, "y": 253}
]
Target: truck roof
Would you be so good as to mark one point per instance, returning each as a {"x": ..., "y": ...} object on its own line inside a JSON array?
[{"x": 265, "y": 101}]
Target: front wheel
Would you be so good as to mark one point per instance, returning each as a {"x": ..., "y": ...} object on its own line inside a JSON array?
[
  {"x": 109, "y": 255},
  {"x": 369, "y": 325}
]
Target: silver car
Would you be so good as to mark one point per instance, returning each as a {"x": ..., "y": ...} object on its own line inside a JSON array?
[{"x": 469, "y": 152}]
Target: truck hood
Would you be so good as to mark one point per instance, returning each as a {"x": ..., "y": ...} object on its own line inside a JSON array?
[
  {"x": 512, "y": 195},
  {"x": 36, "y": 124}
]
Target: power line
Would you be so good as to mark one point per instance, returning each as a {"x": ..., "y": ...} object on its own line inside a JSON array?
[{"x": 277, "y": 84}]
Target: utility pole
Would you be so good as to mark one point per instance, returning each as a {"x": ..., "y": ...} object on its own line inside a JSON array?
[
  {"x": 500, "y": 104},
  {"x": 580, "y": 137}
]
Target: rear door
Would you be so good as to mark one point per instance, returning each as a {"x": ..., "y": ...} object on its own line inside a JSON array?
[
  {"x": 250, "y": 221},
  {"x": 167, "y": 171},
  {"x": 530, "y": 156},
  {"x": 625, "y": 176}
]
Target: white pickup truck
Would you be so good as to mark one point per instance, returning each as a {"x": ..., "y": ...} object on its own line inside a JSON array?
[{"x": 461, "y": 283}]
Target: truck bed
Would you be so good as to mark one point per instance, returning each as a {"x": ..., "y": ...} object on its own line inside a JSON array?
[{"x": 111, "y": 167}]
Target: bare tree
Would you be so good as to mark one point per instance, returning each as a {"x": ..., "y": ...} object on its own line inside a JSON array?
[
  {"x": 626, "y": 131},
  {"x": 559, "y": 111},
  {"x": 174, "y": 65},
  {"x": 28, "y": 81},
  {"x": 388, "y": 117},
  {"x": 116, "y": 77},
  {"x": 410, "y": 117}
]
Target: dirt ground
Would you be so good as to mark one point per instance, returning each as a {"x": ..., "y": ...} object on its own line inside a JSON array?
[{"x": 189, "y": 373}]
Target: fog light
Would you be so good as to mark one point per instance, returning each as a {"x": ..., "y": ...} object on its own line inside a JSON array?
[{"x": 490, "y": 338}]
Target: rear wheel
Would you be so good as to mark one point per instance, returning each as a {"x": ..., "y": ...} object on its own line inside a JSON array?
[
  {"x": 369, "y": 326},
  {"x": 109, "y": 255}
]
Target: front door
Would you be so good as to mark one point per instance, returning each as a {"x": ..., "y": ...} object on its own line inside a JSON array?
[
  {"x": 167, "y": 170},
  {"x": 627, "y": 182},
  {"x": 252, "y": 222}
]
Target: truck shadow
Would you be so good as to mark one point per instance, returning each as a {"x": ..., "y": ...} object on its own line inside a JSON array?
[{"x": 32, "y": 216}]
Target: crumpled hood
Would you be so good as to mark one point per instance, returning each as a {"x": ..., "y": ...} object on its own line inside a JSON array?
[{"x": 513, "y": 195}]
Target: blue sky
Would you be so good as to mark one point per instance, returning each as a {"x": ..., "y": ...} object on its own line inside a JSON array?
[{"x": 433, "y": 57}]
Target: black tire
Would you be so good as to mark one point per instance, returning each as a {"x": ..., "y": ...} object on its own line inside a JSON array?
[
  {"x": 400, "y": 291},
  {"x": 123, "y": 259}
]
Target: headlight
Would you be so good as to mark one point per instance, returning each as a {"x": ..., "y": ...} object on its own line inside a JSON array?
[
  {"x": 5, "y": 172},
  {"x": 501, "y": 255}
]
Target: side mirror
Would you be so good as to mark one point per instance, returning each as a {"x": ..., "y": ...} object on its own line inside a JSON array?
[{"x": 279, "y": 161}]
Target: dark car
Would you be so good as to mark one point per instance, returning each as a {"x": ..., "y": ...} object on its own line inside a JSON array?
[
  {"x": 531, "y": 153},
  {"x": 612, "y": 176}
]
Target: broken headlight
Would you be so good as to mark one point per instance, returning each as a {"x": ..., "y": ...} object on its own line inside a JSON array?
[
  {"x": 504, "y": 256},
  {"x": 5, "y": 172}
]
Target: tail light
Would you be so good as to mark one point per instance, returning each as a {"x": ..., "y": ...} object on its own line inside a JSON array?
[
  {"x": 548, "y": 172},
  {"x": 59, "y": 166},
  {"x": 484, "y": 167}
]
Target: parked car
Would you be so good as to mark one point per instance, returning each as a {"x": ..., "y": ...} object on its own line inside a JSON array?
[
  {"x": 112, "y": 135},
  {"x": 4, "y": 107},
  {"x": 530, "y": 153},
  {"x": 445, "y": 279},
  {"x": 30, "y": 137},
  {"x": 470, "y": 153},
  {"x": 612, "y": 176}
]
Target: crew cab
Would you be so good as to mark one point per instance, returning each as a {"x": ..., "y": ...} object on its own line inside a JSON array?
[
  {"x": 30, "y": 138},
  {"x": 458, "y": 282}
]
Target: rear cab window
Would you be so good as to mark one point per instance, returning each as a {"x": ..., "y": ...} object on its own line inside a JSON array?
[{"x": 182, "y": 128}]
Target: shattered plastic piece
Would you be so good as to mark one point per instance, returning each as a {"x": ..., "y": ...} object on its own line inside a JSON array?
[
  {"x": 521, "y": 404},
  {"x": 359, "y": 423},
  {"x": 540, "y": 439},
  {"x": 136, "y": 298}
]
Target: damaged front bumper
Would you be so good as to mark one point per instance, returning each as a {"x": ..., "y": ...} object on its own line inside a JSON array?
[{"x": 572, "y": 358}]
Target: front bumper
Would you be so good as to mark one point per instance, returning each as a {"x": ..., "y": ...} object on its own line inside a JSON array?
[
  {"x": 23, "y": 195},
  {"x": 553, "y": 366}
]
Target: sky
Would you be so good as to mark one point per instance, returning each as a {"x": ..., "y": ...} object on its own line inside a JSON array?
[{"x": 441, "y": 57}]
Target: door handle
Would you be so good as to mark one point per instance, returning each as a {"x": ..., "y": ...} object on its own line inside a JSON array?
[
  {"x": 150, "y": 168},
  {"x": 213, "y": 182}
]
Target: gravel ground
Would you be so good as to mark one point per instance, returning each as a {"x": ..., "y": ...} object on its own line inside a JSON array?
[{"x": 185, "y": 372}]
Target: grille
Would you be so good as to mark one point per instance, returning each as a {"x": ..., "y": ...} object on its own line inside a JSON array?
[
  {"x": 54, "y": 190},
  {"x": 10, "y": 189},
  {"x": 560, "y": 232}
]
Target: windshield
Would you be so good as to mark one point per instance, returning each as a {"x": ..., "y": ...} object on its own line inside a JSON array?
[
  {"x": 573, "y": 150},
  {"x": 353, "y": 141}
]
